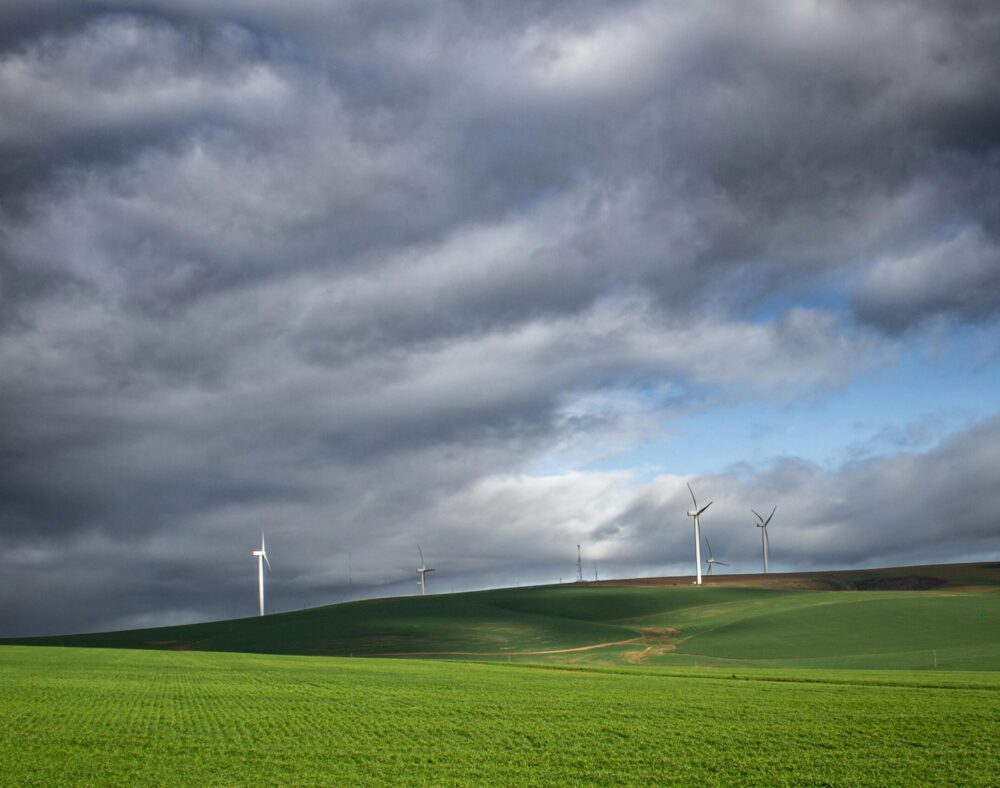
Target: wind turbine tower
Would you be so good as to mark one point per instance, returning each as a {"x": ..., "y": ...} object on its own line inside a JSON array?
[
  {"x": 422, "y": 571},
  {"x": 695, "y": 514},
  {"x": 762, "y": 524},
  {"x": 579, "y": 566},
  {"x": 261, "y": 560}
]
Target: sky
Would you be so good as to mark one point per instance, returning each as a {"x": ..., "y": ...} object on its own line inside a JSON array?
[{"x": 495, "y": 279}]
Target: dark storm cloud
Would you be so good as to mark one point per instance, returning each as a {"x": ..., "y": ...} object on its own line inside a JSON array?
[
  {"x": 342, "y": 270},
  {"x": 747, "y": 142},
  {"x": 95, "y": 89}
]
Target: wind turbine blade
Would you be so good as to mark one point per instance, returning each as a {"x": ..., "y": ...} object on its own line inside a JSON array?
[
  {"x": 264, "y": 556},
  {"x": 721, "y": 563},
  {"x": 692, "y": 496},
  {"x": 709, "y": 548},
  {"x": 703, "y": 508},
  {"x": 758, "y": 516},
  {"x": 771, "y": 515},
  {"x": 421, "y": 555},
  {"x": 262, "y": 541}
]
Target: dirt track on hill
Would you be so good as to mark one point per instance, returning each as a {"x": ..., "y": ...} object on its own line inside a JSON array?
[{"x": 593, "y": 647}]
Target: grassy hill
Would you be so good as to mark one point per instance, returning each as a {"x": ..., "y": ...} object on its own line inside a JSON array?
[
  {"x": 854, "y": 619},
  {"x": 617, "y": 689}
]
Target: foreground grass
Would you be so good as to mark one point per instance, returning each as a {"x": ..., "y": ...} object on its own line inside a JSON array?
[{"x": 150, "y": 717}]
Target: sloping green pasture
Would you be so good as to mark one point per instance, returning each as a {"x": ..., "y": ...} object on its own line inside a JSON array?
[
  {"x": 955, "y": 630},
  {"x": 150, "y": 717},
  {"x": 951, "y": 627}
]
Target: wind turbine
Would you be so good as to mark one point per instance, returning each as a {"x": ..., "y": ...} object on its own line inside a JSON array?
[
  {"x": 422, "y": 571},
  {"x": 261, "y": 559},
  {"x": 764, "y": 544},
  {"x": 696, "y": 514},
  {"x": 711, "y": 561}
]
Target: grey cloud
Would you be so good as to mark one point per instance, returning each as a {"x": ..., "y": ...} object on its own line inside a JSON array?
[
  {"x": 341, "y": 267},
  {"x": 770, "y": 165},
  {"x": 956, "y": 275},
  {"x": 910, "y": 437},
  {"x": 101, "y": 92}
]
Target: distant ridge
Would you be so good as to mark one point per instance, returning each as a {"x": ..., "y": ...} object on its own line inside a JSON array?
[{"x": 890, "y": 578}]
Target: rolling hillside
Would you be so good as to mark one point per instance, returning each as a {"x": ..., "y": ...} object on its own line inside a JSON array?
[{"x": 911, "y": 617}]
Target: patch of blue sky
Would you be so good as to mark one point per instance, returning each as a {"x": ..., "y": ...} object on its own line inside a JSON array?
[
  {"x": 829, "y": 292},
  {"x": 939, "y": 385}
]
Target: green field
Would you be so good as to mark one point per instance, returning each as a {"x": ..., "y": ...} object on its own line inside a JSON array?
[
  {"x": 794, "y": 679},
  {"x": 151, "y": 717},
  {"x": 783, "y": 621}
]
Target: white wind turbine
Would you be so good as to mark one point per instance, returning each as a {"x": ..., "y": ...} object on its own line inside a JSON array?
[
  {"x": 711, "y": 561},
  {"x": 696, "y": 514},
  {"x": 762, "y": 524},
  {"x": 422, "y": 571},
  {"x": 261, "y": 559}
]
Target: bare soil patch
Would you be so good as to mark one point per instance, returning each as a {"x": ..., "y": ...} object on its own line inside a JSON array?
[{"x": 659, "y": 634}]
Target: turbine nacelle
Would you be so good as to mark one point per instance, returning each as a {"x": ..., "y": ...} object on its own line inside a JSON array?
[
  {"x": 696, "y": 511},
  {"x": 422, "y": 571},
  {"x": 262, "y": 553},
  {"x": 763, "y": 523}
]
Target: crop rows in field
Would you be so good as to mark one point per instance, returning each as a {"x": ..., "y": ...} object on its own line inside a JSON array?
[{"x": 133, "y": 717}]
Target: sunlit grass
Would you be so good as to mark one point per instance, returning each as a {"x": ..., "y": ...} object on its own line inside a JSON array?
[{"x": 150, "y": 717}]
